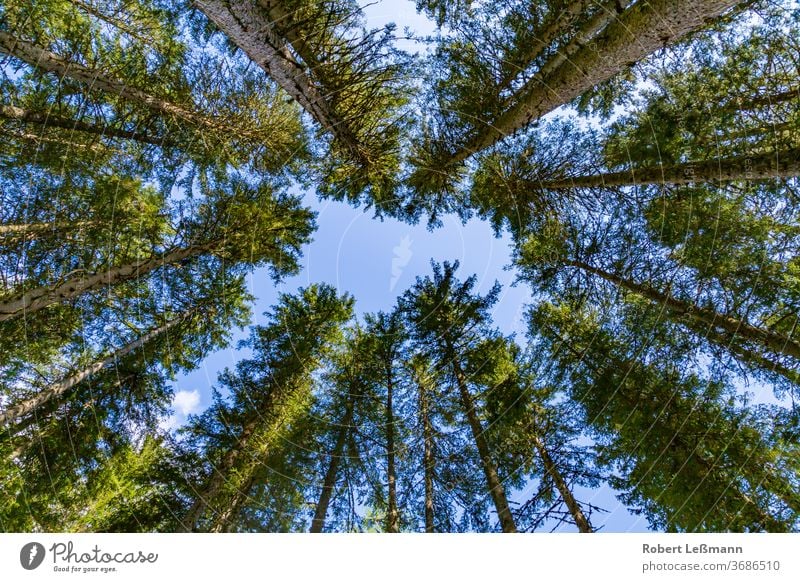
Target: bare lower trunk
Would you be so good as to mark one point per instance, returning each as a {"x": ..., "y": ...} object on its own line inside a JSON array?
[
  {"x": 642, "y": 29},
  {"x": 778, "y": 343},
  {"x": 17, "y": 411},
  {"x": 492, "y": 478},
  {"x": 605, "y": 14},
  {"x": 556, "y": 27},
  {"x": 331, "y": 475},
  {"x": 728, "y": 342},
  {"x": 48, "y": 120},
  {"x": 250, "y": 28},
  {"x": 33, "y": 230},
  {"x": 42, "y": 297},
  {"x": 44, "y": 60},
  {"x": 427, "y": 457},
  {"x": 191, "y": 522},
  {"x": 567, "y": 497},
  {"x": 784, "y": 164},
  {"x": 392, "y": 518}
]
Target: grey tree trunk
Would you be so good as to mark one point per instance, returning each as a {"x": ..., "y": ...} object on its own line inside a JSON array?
[
  {"x": 778, "y": 343},
  {"x": 605, "y": 14},
  {"x": 644, "y": 28},
  {"x": 331, "y": 475},
  {"x": 48, "y": 120},
  {"x": 42, "y": 297},
  {"x": 567, "y": 497},
  {"x": 44, "y": 60},
  {"x": 490, "y": 471},
  {"x": 16, "y": 412},
  {"x": 427, "y": 455},
  {"x": 250, "y": 28},
  {"x": 392, "y": 517},
  {"x": 783, "y": 164}
]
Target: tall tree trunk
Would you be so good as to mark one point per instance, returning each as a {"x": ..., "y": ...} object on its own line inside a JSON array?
[
  {"x": 44, "y": 60},
  {"x": 225, "y": 520},
  {"x": 17, "y": 411},
  {"x": 555, "y": 27},
  {"x": 249, "y": 27},
  {"x": 783, "y": 164},
  {"x": 605, "y": 14},
  {"x": 33, "y": 230},
  {"x": 331, "y": 475},
  {"x": 567, "y": 497},
  {"x": 492, "y": 478},
  {"x": 644, "y": 28},
  {"x": 42, "y": 297},
  {"x": 427, "y": 454},
  {"x": 392, "y": 518},
  {"x": 728, "y": 342},
  {"x": 256, "y": 440},
  {"x": 191, "y": 522},
  {"x": 49, "y": 120},
  {"x": 704, "y": 316}
]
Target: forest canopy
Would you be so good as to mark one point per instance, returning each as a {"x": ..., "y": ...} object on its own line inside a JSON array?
[{"x": 641, "y": 156}]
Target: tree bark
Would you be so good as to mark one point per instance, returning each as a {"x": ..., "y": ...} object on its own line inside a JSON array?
[
  {"x": 427, "y": 455},
  {"x": 331, "y": 475},
  {"x": 567, "y": 497},
  {"x": 552, "y": 30},
  {"x": 33, "y": 230},
  {"x": 728, "y": 342},
  {"x": 191, "y": 521},
  {"x": 49, "y": 120},
  {"x": 604, "y": 15},
  {"x": 778, "y": 343},
  {"x": 249, "y": 27},
  {"x": 644, "y": 28},
  {"x": 17, "y": 411},
  {"x": 44, "y": 60},
  {"x": 42, "y": 297},
  {"x": 492, "y": 478},
  {"x": 784, "y": 164},
  {"x": 392, "y": 518}
]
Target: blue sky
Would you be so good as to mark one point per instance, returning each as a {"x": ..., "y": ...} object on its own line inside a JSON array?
[{"x": 376, "y": 261}]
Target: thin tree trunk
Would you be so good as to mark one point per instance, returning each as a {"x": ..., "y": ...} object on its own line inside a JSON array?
[
  {"x": 191, "y": 521},
  {"x": 50, "y": 139},
  {"x": 44, "y": 60},
  {"x": 492, "y": 478},
  {"x": 778, "y": 343},
  {"x": 392, "y": 518},
  {"x": 17, "y": 411},
  {"x": 42, "y": 297},
  {"x": 556, "y": 27},
  {"x": 33, "y": 230},
  {"x": 227, "y": 506},
  {"x": 784, "y": 164},
  {"x": 51, "y": 120},
  {"x": 644, "y": 28},
  {"x": 727, "y": 342},
  {"x": 567, "y": 497},
  {"x": 752, "y": 102},
  {"x": 225, "y": 520},
  {"x": 427, "y": 455},
  {"x": 115, "y": 22},
  {"x": 331, "y": 475},
  {"x": 248, "y": 26}
]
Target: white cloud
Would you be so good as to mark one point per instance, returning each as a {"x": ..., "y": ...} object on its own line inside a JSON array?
[{"x": 186, "y": 402}]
